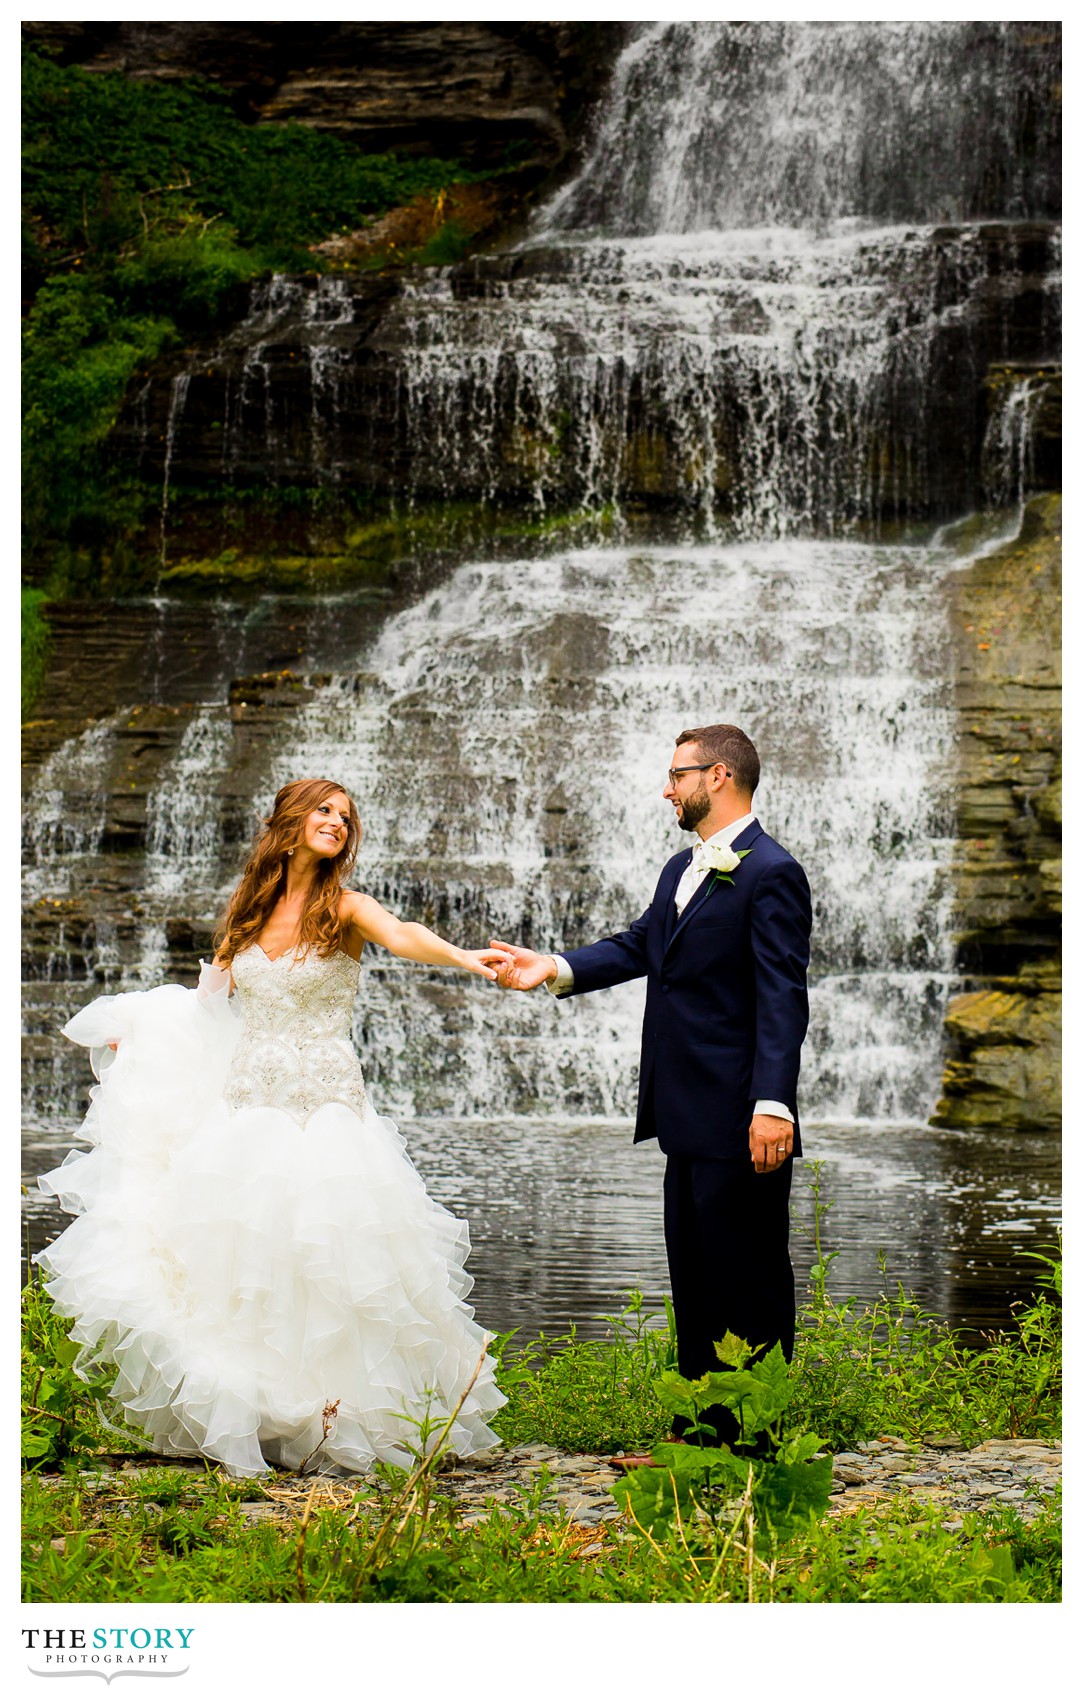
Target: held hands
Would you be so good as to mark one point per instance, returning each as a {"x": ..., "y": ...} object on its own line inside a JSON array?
[
  {"x": 523, "y": 969},
  {"x": 770, "y": 1140},
  {"x": 487, "y": 963}
]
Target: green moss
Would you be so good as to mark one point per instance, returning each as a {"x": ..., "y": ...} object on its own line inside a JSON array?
[
  {"x": 600, "y": 522},
  {"x": 35, "y": 646},
  {"x": 274, "y": 572}
]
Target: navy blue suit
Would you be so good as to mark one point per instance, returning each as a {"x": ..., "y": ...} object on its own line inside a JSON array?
[{"x": 725, "y": 1016}]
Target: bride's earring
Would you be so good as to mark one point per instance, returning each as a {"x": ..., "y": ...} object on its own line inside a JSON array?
[{"x": 289, "y": 852}]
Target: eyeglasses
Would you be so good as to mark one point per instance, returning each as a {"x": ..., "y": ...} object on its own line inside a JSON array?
[{"x": 696, "y": 767}]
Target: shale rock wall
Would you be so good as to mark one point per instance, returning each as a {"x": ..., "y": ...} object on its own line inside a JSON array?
[
  {"x": 464, "y": 90},
  {"x": 1004, "y": 1030}
]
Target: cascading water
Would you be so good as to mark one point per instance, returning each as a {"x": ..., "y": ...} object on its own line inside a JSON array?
[
  {"x": 750, "y": 310},
  {"x": 1008, "y": 451},
  {"x": 713, "y": 126},
  {"x": 508, "y": 746},
  {"x": 746, "y": 302}
]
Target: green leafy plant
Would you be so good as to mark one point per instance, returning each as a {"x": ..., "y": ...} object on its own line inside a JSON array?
[
  {"x": 785, "y": 1480},
  {"x": 59, "y": 1417}
]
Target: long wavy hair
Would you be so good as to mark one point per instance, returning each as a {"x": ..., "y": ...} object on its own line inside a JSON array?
[{"x": 264, "y": 878}]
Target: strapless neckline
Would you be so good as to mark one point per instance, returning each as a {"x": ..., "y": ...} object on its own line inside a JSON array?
[{"x": 293, "y": 949}]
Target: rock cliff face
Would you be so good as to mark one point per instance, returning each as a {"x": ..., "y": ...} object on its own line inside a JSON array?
[
  {"x": 1004, "y": 1031},
  {"x": 460, "y": 387},
  {"x": 464, "y": 90}
]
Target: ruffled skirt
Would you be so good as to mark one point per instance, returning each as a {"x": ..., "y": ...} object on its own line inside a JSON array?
[{"x": 269, "y": 1293}]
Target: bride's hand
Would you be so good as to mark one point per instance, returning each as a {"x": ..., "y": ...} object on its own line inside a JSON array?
[
  {"x": 488, "y": 963},
  {"x": 524, "y": 969}
]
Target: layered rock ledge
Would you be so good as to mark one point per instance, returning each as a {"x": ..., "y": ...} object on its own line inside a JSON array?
[{"x": 1004, "y": 1029}]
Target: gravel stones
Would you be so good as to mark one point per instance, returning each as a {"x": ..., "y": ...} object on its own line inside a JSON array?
[
  {"x": 1015, "y": 1472},
  {"x": 578, "y": 1487}
]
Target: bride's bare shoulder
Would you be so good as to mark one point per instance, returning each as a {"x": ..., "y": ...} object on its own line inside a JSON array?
[{"x": 356, "y": 907}]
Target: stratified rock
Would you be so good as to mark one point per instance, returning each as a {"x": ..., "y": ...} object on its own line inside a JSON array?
[
  {"x": 451, "y": 89},
  {"x": 1003, "y": 1067}
]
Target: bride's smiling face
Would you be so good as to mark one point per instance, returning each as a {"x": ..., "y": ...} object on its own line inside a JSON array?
[{"x": 327, "y": 827}]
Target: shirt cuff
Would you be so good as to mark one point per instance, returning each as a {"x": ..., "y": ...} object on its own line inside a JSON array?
[
  {"x": 771, "y": 1107},
  {"x": 565, "y": 979}
]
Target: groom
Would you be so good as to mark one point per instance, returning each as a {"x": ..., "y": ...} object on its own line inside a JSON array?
[{"x": 724, "y": 946}]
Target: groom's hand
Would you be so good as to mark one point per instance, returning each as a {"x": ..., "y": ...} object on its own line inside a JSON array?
[
  {"x": 770, "y": 1140},
  {"x": 525, "y": 970}
]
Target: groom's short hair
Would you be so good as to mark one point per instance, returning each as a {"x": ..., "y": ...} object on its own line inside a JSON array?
[{"x": 730, "y": 745}]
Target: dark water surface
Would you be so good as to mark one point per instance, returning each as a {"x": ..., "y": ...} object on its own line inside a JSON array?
[{"x": 566, "y": 1217}]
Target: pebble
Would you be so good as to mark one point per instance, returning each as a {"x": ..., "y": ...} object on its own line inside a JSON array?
[
  {"x": 933, "y": 1472},
  {"x": 938, "y": 1471}
]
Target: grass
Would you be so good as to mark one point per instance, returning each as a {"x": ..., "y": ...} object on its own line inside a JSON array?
[{"x": 180, "y": 1534}]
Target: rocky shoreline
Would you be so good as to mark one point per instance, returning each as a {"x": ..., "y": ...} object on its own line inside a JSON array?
[{"x": 578, "y": 1487}]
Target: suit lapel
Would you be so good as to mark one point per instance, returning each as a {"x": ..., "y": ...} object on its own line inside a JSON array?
[
  {"x": 669, "y": 912},
  {"x": 743, "y": 841}
]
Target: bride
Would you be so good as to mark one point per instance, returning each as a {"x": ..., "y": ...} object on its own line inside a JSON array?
[{"x": 253, "y": 1248}]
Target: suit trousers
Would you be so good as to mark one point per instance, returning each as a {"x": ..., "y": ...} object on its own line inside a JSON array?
[{"x": 727, "y": 1240}]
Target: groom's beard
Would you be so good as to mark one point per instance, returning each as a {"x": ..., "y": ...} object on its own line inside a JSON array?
[{"x": 691, "y": 813}]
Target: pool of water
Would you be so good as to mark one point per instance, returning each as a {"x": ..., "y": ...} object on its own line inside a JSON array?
[{"x": 566, "y": 1216}]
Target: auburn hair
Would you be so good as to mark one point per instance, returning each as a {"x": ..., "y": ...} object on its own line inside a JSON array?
[{"x": 264, "y": 878}]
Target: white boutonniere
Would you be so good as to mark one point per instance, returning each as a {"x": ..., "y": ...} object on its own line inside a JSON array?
[{"x": 720, "y": 861}]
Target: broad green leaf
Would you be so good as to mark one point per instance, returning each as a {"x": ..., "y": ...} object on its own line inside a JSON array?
[
  {"x": 992, "y": 1564},
  {"x": 799, "y": 1448},
  {"x": 732, "y": 1351},
  {"x": 786, "y": 1495},
  {"x": 651, "y": 1497}
]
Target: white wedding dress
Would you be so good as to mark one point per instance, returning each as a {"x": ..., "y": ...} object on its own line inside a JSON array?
[{"x": 252, "y": 1245}]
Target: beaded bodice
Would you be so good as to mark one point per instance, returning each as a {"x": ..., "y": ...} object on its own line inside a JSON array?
[{"x": 295, "y": 1050}]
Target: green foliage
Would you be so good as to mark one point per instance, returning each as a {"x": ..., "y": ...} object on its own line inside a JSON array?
[
  {"x": 446, "y": 247},
  {"x": 102, "y": 152},
  {"x": 785, "y": 1483},
  {"x": 587, "y": 1395},
  {"x": 146, "y": 204},
  {"x": 891, "y": 1367},
  {"x": 903, "y": 1552},
  {"x": 35, "y": 646},
  {"x": 180, "y": 1535},
  {"x": 59, "y": 1416}
]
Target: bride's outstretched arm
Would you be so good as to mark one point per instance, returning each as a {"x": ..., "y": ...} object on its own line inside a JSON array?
[{"x": 375, "y": 924}]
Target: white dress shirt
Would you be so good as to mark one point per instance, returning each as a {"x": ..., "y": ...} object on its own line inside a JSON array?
[{"x": 688, "y": 884}]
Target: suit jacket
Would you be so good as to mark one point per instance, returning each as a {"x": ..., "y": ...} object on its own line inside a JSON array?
[{"x": 727, "y": 997}]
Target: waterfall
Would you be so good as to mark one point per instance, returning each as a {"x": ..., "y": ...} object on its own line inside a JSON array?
[
  {"x": 767, "y": 302},
  {"x": 747, "y": 303},
  {"x": 178, "y": 395},
  {"x": 713, "y": 126},
  {"x": 757, "y": 323},
  {"x": 507, "y": 745},
  {"x": 64, "y": 815},
  {"x": 1009, "y": 451},
  {"x": 778, "y": 382}
]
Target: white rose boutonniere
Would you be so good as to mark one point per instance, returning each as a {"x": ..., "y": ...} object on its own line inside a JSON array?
[{"x": 720, "y": 860}]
